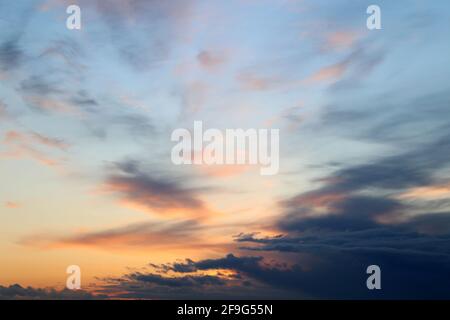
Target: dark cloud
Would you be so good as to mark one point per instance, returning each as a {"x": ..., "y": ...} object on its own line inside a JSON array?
[
  {"x": 17, "y": 292},
  {"x": 351, "y": 213},
  {"x": 11, "y": 55},
  {"x": 437, "y": 223},
  {"x": 356, "y": 219},
  {"x": 408, "y": 121},
  {"x": 187, "y": 281},
  {"x": 413, "y": 265},
  {"x": 416, "y": 167},
  {"x": 230, "y": 262},
  {"x": 155, "y": 193}
]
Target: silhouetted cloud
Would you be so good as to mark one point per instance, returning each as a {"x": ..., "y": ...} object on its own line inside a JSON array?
[
  {"x": 233, "y": 277},
  {"x": 356, "y": 219},
  {"x": 230, "y": 262},
  {"x": 17, "y": 292},
  {"x": 154, "y": 193},
  {"x": 186, "y": 281}
]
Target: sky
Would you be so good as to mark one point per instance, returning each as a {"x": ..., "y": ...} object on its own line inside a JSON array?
[{"x": 86, "y": 118}]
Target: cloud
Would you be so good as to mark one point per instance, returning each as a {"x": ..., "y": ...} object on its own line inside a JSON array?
[
  {"x": 17, "y": 137},
  {"x": 365, "y": 195},
  {"x": 142, "y": 32},
  {"x": 12, "y": 205},
  {"x": 255, "y": 82},
  {"x": 328, "y": 73},
  {"x": 211, "y": 60},
  {"x": 350, "y": 71},
  {"x": 49, "y": 142},
  {"x": 179, "y": 234},
  {"x": 61, "y": 89},
  {"x": 338, "y": 260},
  {"x": 351, "y": 213},
  {"x": 229, "y": 262},
  {"x": 65, "y": 52},
  {"x": 39, "y": 85},
  {"x": 17, "y": 292},
  {"x": 47, "y": 104},
  {"x": 358, "y": 217},
  {"x": 11, "y": 55},
  {"x": 427, "y": 192},
  {"x": 3, "y": 111},
  {"x": 340, "y": 40},
  {"x": 230, "y": 277},
  {"x": 33, "y": 145},
  {"x": 391, "y": 210},
  {"x": 186, "y": 281},
  {"x": 410, "y": 120},
  {"x": 156, "y": 194}
]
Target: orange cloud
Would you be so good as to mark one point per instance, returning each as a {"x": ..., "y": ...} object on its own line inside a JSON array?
[
  {"x": 162, "y": 235},
  {"x": 143, "y": 191},
  {"x": 340, "y": 40},
  {"x": 22, "y": 145},
  {"x": 329, "y": 73},
  {"x": 12, "y": 205},
  {"x": 429, "y": 192}
]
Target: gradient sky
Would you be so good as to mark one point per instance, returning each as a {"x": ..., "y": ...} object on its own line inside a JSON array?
[{"x": 85, "y": 123}]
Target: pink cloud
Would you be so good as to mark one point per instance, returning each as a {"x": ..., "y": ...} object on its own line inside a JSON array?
[
  {"x": 23, "y": 145},
  {"x": 340, "y": 40},
  {"x": 12, "y": 205},
  {"x": 210, "y": 59},
  {"x": 326, "y": 74}
]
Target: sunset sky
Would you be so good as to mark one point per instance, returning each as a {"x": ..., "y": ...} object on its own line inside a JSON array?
[{"x": 86, "y": 118}]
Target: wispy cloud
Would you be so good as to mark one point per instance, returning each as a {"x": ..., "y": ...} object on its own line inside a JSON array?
[
  {"x": 137, "y": 236},
  {"x": 155, "y": 194},
  {"x": 35, "y": 146},
  {"x": 12, "y": 205}
]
